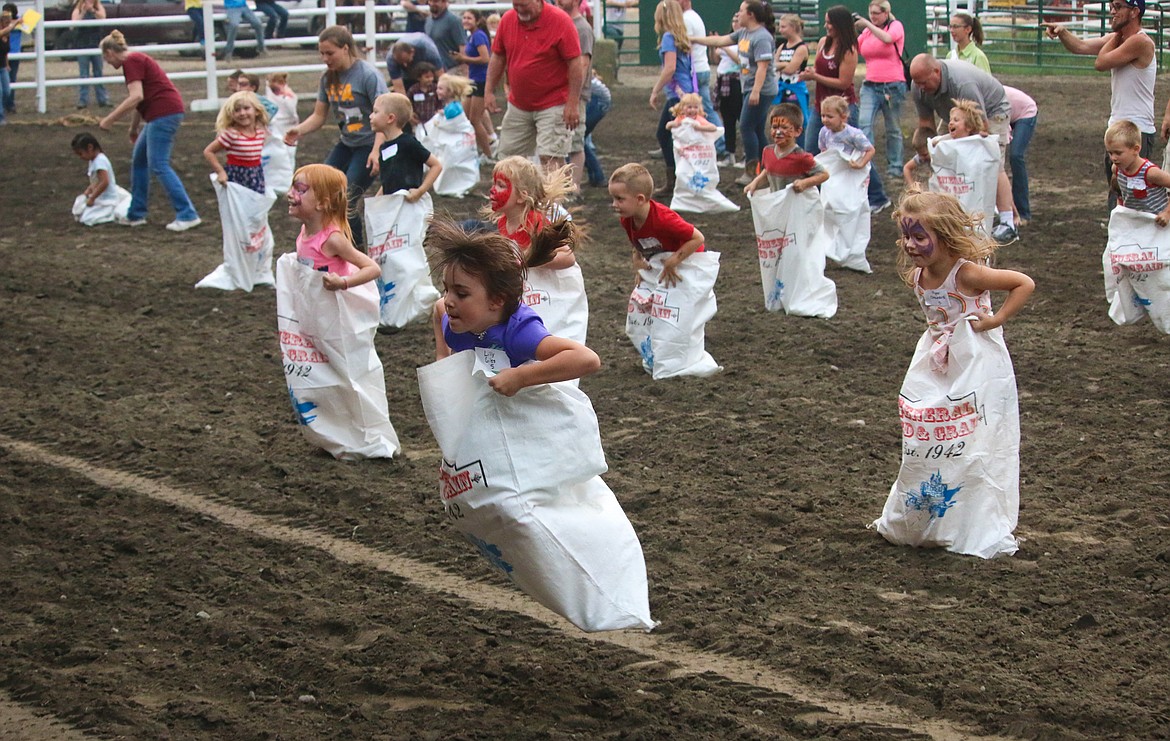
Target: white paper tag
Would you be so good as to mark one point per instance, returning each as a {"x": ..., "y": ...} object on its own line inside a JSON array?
[
  {"x": 389, "y": 152},
  {"x": 420, "y": 97},
  {"x": 490, "y": 361},
  {"x": 936, "y": 297}
]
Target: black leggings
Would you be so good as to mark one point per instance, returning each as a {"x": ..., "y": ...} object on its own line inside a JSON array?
[{"x": 729, "y": 108}]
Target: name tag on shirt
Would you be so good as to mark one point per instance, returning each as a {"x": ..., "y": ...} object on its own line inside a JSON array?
[
  {"x": 420, "y": 97},
  {"x": 936, "y": 297},
  {"x": 389, "y": 152},
  {"x": 650, "y": 245},
  {"x": 489, "y": 361}
]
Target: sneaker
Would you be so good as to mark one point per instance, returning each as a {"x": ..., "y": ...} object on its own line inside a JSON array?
[
  {"x": 654, "y": 154},
  {"x": 727, "y": 160},
  {"x": 1004, "y": 234},
  {"x": 880, "y": 207},
  {"x": 182, "y": 226},
  {"x": 745, "y": 178},
  {"x": 131, "y": 222}
]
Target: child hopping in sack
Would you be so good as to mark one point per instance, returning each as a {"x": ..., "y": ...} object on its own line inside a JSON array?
[
  {"x": 785, "y": 163},
  {"x": 696, "y": 188},
  {"x": 451, "y": 136},
  {"x": 103, "y": 201},
  {"x": 396, "y": 218},
  {"x": 966, "y": 164},
  {"x": 958, "y": 487},
  {"x": 522, "y": 455},
  {"x": 327, "y": 325},
  {"x": 674, "y": 280},
  {"x": 851, "y": 142},
  {"x": 1138, "y": 183},
  {"x": 523, "y": 200}
]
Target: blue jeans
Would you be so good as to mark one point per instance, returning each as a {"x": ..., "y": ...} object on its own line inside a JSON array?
[
  {"x": 877, "y": 194},
  {"x": 152, "y": 156},
  {"x": 234, "y": 16},
  {"x": 196, "y": 16},
  {"x": 884, "y": 98},
  {"x": 352, "y": 161},
  {"x": 10, "y": 97},
  {"x": 753, "y": 122},
  {"x": 594, "y": 112},
  {"x": 5, "y": 90},
  {"x": 86, "y": 63},
  {"x": 1022, "y": 131},
  {"x": 665, "y": 138},
  {"x": 277, "y": 17},
  {"x": 704, "y": 81}
]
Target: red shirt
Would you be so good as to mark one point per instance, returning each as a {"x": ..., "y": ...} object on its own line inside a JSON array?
[
  {"x": 538, "y": 55},
  {"x": 663, "y": 231},
  {"x": 533, "y": 223},
  {"x": 159, "y": 96}
]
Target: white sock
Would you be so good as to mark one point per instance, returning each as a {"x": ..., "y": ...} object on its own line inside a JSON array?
[{"x": 1007, "y": 217}]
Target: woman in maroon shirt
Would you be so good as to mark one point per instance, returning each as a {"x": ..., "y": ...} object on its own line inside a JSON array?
[{"x": 155, "y": 101}]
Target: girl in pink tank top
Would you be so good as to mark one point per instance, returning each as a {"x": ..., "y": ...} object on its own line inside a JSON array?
[{"x": 318, "y": 199}]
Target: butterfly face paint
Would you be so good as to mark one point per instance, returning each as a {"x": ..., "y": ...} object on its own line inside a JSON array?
[
  {"x": 916, "y": 238},
  {"x": 500, "y": 193}
]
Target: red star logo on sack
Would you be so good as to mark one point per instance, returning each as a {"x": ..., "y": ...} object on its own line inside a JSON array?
[
  {"x": 256, "y": 241},
  {"x": 393, "y": 241}
]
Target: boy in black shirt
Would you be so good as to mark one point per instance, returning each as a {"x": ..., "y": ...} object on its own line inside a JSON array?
[{"x": 401, "y": 157}]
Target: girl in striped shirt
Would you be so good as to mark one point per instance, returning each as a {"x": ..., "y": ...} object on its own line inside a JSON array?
[{"x": 241, "y": 128}]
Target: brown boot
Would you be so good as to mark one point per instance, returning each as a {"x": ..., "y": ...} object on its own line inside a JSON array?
[
  {"x": 666, "y": 189},
  {"x": 751, "y": 168}
]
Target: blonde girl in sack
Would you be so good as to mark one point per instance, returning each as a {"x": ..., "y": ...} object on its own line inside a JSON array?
[
  {"x": 690, "y": 108},
  {"x": 241, "y": 128},
  {"x": 451, "y": 91},
  {"x": 967, "y": 119},
  {"x": 317, "y": 199},
  {"x": 943, "y": 257}
]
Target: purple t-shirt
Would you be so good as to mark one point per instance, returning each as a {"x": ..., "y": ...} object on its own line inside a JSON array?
[{"x": 518, "y": 337}]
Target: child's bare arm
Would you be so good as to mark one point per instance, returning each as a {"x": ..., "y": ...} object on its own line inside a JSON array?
[
  {"x": 442, "y": 350},
  {"x": 975, "y": 279},
  {"x": 564, "y": 259},
  {"x": 908, "y": 172},
  {"x": 560, "y": 360},
  {"x": 428, "y": 180},
  {"x": 811, "y": 181},
  {"x": 339, "y": 246},
  {"x": 670, "y": 265},
  {"x": 209, "y": 154},
  {"x": 755, "y": 184},
  {"x": 96, "y": 189},
  {"x": 673, "y": 124},
  {"x": 863, "y": 160}
]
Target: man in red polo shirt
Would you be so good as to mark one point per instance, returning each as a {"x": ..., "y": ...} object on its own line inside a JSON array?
[{"x": 537, "y": 45}]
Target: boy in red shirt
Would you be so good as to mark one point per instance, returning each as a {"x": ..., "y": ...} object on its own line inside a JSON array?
[{"x": 651, "y": 226}]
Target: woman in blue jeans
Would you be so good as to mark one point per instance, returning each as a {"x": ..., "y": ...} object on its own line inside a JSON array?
[
  {"x": 599, "y": 105},
  {"x": 677, "y": 77},
  {"x": 348, "y": 90},
  {"x": 88, "y": 38},
  {"x": 881, "y": 43},
  {"x": 157, "y": 103}
]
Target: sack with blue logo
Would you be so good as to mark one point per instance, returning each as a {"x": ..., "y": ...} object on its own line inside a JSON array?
[
  {"x": 521, "y": 480},
  {"x": 696, "y": 185},
  {"x": 959, "y": 484},
  {"x": 452, "y": 141},
  {"x": 335, "y": 380},
  {"x": 667, "y": 324},
  {"x": 394, "y": 233},
  {"x": 247, "y": 240},
  {"x": 791, "y": 245},
  {"x": 1136, "y": 264}
]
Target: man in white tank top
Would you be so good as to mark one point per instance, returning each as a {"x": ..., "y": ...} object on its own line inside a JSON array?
[{"x": 1128, "y": 53}]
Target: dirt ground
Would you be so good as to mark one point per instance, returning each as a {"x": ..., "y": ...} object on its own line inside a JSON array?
[{"x": 782, "y": 616}]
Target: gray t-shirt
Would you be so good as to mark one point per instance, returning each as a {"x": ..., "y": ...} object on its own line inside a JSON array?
[
  {"x": 424, "y": 51},
  {"x": 585, "y": 34},
  {"x": 755, "y": 47},
  {"x": 962, "y": 81},
  {"x": 448, "y": 34},
  {"x": 351, "y": 99}
]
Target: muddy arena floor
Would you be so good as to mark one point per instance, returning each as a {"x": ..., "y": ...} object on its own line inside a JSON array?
[{"x": 152, "y": 471}]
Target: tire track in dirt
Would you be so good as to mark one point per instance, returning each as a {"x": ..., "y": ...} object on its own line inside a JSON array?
[
  {"x": 662, "y": 654},
  {"x": 18, "y": 723}
]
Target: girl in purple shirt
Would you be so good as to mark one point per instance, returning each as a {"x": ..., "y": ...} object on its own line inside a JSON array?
[{"x": 483, "y": 279}]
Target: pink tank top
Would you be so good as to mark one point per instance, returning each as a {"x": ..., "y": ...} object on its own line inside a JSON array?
[{"x": 309, "y": 253}]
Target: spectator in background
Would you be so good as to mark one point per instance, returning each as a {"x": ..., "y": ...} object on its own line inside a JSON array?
[
  {"x": 476, "y": 55},
  {"x": 194, "y": 10},
  {"x": 238, "y": 10},
  {"x": 1023, "y": 120},
  {"x": 89, "y": 60},
  {"x": 277, "y": 18},
  {"x": 446, "y": 30},
  {"x": 967, "y": 32},
  {"x": 585, "y": 38},
  {"x": 536, "y": 43},
  {"x": 15, "y": 39},
  {"x": 881, "y": 43},
  {"x": 409, "y": 49},
  {"x": 416, "y": 16},
  {"x": 7, "y": 25},
  {"x": 615, "y": 16},
  {"x": 728, "y": 92},
  {"x": 1127, "y": 52},
  {"x": 600, "y": 101},
  {"x": 701, "y": 66}
]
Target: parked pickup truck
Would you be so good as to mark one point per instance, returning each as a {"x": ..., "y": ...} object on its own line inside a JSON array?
[{"x": 163, "y": 33}]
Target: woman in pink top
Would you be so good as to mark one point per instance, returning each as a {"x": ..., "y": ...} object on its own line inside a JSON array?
[{"x": 882, "y": 41}]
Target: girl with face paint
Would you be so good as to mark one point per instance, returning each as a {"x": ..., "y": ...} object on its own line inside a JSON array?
[
  {"x": 523, "y": 200},
  {"x": 943, "y": 256}
]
